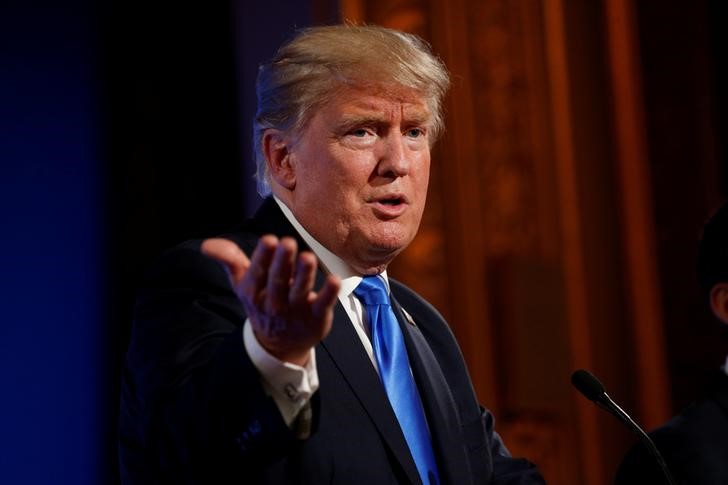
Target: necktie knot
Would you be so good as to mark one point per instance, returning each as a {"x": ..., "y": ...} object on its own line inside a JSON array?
[{"x": 372, "y": 291}]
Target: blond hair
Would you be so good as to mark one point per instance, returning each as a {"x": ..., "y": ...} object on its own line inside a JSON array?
[{"x": 307, "y": 70}]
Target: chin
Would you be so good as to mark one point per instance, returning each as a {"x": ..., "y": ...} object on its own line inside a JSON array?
[
  {"x": 375, "y": 249},
  {"x": 391, "y": 244}
]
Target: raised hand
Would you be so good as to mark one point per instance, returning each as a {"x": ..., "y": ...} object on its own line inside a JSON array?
[{"x": 276, "y": 289}]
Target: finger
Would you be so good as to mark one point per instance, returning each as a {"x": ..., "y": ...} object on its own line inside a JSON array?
[
  {"x": 326, "y": 297},
  {"x": 279, "y": 275},
  {"x": 304, "y": 278},
  {"x": 257, "y": 275},
  {"x": 229, "y": 254}
]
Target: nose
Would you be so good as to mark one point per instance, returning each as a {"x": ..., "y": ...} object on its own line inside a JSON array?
[{"x": 394, "y": 157}]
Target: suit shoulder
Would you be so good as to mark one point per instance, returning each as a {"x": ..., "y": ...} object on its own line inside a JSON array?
[{"x": 703, "y": 421}]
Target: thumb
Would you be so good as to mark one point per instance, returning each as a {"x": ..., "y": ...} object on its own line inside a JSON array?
[{"x": 229, "y": 255}]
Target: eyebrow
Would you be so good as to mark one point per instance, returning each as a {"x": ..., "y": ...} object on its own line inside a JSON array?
[{"x": 351, "y": 121}]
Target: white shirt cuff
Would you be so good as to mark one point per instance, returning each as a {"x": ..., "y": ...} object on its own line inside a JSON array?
[{"x": 291, "y": 386}]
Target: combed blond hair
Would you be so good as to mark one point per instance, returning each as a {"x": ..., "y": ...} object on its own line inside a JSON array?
[{"x": 307, "y": 71}]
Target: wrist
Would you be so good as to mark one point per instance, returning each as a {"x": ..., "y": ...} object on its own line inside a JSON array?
[
  {"x": 293, "y": 357},
  {"x": 273, "y": 347}
]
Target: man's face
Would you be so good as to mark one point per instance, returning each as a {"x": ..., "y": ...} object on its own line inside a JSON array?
[{"x": 362, "y": 166}]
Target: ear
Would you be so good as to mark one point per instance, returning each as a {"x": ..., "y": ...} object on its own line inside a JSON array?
[
  {"x": 719, "y": 301},
  {"x": 276, "y": 148}
]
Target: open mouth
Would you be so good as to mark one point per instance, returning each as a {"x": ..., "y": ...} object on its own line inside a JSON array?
[
  {"x": 392, "y": 201},
  {"x": 390, "y": 206}
]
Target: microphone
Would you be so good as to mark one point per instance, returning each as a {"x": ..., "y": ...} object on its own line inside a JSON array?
[{"x": 589, "y": 386}]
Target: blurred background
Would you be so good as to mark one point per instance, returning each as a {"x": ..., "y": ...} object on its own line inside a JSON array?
[{"x": 585, "y": 147}]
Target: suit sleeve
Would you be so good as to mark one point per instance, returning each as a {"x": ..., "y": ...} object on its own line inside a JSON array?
[
  {"x": 193, "y": 407},
  {"x": 508, "y": 470}
]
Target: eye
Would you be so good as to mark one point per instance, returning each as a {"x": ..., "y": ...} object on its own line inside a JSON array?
[
  {"x": 360, "y": 137},
  {"x": 414, "y": 132}
]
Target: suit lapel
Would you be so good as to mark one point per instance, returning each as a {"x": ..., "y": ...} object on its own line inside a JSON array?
[{"x": 440, "y": 407}]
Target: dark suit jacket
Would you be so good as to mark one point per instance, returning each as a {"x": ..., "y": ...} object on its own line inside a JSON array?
[
  {"x": 193, "y": 409},
  {"x": 693, "y": 443}
]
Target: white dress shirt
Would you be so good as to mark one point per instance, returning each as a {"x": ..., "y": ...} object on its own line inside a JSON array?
[{"x": 290, "y": 385}]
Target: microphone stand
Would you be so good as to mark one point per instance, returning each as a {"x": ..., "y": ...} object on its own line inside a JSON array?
[{"x": 592, "y": 389}]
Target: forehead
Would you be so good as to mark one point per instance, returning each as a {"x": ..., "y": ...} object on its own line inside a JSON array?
[{"x": 378, "y": 100}]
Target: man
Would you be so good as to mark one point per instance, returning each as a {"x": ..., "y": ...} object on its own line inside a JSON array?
[
  {"x": 301, "y": 362},
  {"x": 695, "y": 442}
]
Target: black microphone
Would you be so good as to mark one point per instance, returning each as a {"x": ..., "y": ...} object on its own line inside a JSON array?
[{"x": 589, "y": 386}]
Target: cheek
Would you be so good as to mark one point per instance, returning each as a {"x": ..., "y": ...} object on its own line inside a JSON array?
[
  {"x": 425, "y": 179},
  {"x": 337, "y": 196},
  {"x": 350, "y": 179},
  {"x": 422, "y": 177}
]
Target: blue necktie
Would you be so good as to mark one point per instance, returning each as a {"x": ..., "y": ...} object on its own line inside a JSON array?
[{"x": 394, "y": 371}]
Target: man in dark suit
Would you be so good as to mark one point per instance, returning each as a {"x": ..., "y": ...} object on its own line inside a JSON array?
[
  {"x": 695, "y": 442},
  {"x": 282, "y": 353}
]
